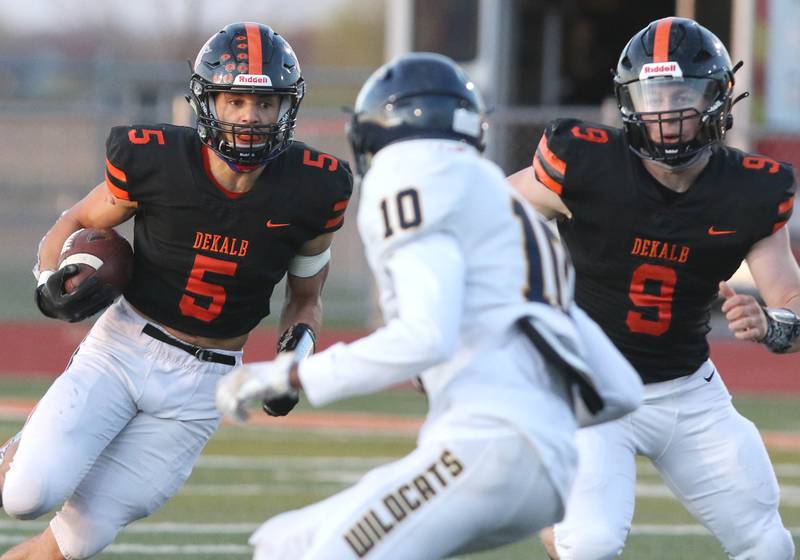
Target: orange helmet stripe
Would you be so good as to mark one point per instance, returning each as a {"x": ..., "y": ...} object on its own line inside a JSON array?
[
  {"x": 253, "y": 48},
  {"x": 661, "y": 43}
]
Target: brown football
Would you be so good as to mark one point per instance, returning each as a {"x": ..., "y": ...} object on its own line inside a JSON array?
[{"x": 98, "y": 252}]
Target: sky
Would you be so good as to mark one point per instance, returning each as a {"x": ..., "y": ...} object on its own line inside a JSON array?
[{"x": 158, "y": 15}]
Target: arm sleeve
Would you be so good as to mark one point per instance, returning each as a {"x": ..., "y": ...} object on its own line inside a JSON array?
[
  {"x": 428, "y": 278},
  {"x": 550, "y": 159},
  {"x": 118, "y": 163}
]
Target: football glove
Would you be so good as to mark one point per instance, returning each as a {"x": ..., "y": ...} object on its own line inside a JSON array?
[
  {"x": 246, "y": 386},
  {"x": 300, "y": 339},
  {"x": 88, "y": 298}
]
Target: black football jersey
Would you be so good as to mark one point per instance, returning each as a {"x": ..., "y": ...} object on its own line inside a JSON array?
[
  {"x": 206, "y": 261},
  {"x": 648, "y": 260}
]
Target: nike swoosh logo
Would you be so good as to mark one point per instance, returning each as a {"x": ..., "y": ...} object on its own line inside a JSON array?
[
  {"x": 708, "y": 379},
  {"x": 271, "y": 224},
  {"x": 712, "y": 231}
]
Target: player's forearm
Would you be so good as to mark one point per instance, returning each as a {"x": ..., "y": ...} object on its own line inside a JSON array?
[
  {"x": 391, "y": 355},
  {"x": 52, "y": 242},
  {"x": 428, "y": 285}
]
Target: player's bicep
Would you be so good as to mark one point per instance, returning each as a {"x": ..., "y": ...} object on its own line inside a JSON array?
[
  {"x": 775, "y": 271},
  {"x": 546, "y": 202},
  {"x": 428, "y": 283},
  {"x": 100, "y": 209},
  {"x": 317, "y": 245}
]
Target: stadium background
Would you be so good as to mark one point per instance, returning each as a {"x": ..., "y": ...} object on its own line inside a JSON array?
[
  {"x": 70, "y": 71},
  {"x": 67, "y": 76}
]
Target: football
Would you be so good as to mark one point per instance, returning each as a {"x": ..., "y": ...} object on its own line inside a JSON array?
[{"x": 98, "y": 252}]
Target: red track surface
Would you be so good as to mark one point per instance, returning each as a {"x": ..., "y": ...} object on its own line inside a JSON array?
[{"x": 44, "y": 349}]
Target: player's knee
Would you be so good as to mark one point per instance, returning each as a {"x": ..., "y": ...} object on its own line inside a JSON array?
[
  {"x": 27, "y": 495},
  {"x": 86, "y": 538},
  {"x": 776, "y": 543},
  {"x": 595, "y": 543}
]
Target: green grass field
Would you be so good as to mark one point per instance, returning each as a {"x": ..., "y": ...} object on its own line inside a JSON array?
[{"x": 248, "y": 474}]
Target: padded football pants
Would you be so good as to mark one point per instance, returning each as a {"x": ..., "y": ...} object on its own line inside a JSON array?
[
  {"x": 710, "y": 456},
  {"x": 116, "y": 435},
  {"x": 478, "y": 489}
]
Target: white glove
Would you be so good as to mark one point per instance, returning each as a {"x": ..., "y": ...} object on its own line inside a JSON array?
[{"x": 246, "y": 386}]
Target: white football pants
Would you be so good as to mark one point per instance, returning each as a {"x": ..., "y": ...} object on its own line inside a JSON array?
[
  {"x": 116, "y": 435},
  {"x": 477, "y": 489},
  {"x": 709, "y": 455}
]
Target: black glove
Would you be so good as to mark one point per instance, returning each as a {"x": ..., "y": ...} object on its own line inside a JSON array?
[
  {"x": 288, "y": 341},
  {"x": 89, "y": 297}
]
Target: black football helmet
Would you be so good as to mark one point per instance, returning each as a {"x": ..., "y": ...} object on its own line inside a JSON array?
[
  {"x": 246, "y": 58},
  {"x": 416, "y": 95},
  {"x": 671, "y": 75}
]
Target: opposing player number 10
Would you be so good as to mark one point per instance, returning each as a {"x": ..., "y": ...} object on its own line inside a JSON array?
[{"x": 406, "y": 206}]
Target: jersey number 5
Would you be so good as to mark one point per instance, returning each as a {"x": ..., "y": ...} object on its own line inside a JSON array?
[
  {"x": 659, "y": 304},
  {"x": 197, "y": 285}
]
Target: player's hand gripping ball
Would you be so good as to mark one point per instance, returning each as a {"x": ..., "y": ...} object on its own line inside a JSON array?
[
  {"x": 100, "y": 253},
  {"x": 94, "y": 268}
]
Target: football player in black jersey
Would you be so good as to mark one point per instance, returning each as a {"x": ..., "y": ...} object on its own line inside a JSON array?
[
  {"x": 221, "y": 213},
  {"x": 657, "y": 216}
]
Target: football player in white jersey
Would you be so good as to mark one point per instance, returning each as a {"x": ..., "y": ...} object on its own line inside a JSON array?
[{"x": 477, "y": 300}]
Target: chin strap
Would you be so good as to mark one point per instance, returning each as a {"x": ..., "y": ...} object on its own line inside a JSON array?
[
  {"x": 783, "y": 328},
  {"x": 680, "y": 164}
]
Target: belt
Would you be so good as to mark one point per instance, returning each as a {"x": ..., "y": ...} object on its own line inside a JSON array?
[{"x": 202, "y": 354}]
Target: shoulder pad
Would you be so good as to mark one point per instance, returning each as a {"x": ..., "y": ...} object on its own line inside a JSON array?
[
  {"x": 132, "y": 153},
  {"x": 331, "y": 177},
  {"x": 775, "y": 179},
  {"x": 559, "y": 143}
]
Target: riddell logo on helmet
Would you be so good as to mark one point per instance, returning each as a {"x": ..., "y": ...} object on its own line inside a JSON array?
[
  {"x": 252, "y": 80},
  {"x": 656, "y": 69}
]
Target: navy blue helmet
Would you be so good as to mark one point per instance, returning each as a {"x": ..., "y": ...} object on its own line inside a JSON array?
[
  {"x": 416, "y": 95},
  {"x": 246, "y": 58}
]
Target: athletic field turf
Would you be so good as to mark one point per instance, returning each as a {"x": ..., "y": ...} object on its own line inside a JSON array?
[{"x": 250, "y": 473}]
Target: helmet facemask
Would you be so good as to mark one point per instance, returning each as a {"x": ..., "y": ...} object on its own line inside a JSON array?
[
  {"x": 673, "y": 119},
  {"x": 266, "y": 141},
  {"x": 250, "y": 59}
]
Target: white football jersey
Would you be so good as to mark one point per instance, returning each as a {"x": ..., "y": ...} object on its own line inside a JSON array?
[{"x": 458, "y": 258}]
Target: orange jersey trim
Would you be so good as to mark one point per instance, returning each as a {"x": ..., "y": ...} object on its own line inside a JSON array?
[
  {"x": 544, "y": 178},
  {"x": 341, "y": 205},
  {"x": 778, "y": 226},
  {"x": 553, "y": 160},
  {"x": 253, "y": 48},
  {"x": 334, "y": 222},
  {"x": 115, "y": 172},
  {"x": 661, "y": 42},
  {"x": 115, "y": 190},
  {"x": 786, "y": 205}
]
